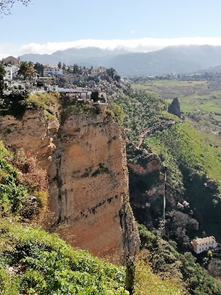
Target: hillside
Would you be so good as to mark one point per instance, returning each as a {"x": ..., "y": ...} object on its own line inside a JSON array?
[
  {"x": 77, "y": 150},
  {"x": 157, "y": 140}
]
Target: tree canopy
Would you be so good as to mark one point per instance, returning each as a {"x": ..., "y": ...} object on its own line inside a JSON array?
[
  {"x": 6, "y": 5},
  {"x": 26, "y": 69},
  {"x": 2, "y": 74}
]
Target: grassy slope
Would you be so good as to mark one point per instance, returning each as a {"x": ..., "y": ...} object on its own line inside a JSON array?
[
  {"x": 186, "y": 146},
  {"x": 34, "y": 262}
]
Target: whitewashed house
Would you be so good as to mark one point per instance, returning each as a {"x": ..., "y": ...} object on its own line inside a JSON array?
[
  {"x": 52, "y": 70},
  {"x": 11, "y": 71},
  {"x": 203, "y": 244}
]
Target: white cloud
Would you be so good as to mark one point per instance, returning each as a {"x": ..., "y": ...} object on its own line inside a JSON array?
[
  {"x": 135, "y": 45},
  {"x": 6, "y": 50}
]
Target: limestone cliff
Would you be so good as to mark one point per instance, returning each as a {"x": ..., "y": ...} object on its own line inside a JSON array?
[{"x": 84, "y": 157}]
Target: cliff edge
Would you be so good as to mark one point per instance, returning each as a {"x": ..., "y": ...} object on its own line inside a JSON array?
[{"x": 82, "y": 152}]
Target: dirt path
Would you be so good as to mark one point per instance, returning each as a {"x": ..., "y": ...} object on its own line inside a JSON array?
[{"x": 152, "y": 129}]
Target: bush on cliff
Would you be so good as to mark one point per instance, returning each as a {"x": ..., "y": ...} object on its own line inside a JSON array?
[
  {"x": 23, "y": 187},
  {"x": 17, "y": 102},
  {"x": 14, "y": 104}
]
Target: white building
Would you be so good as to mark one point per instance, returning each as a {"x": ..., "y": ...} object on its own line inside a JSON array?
[
  {"x": 203, "y": 244},
  {"x": 11, "y": 71},
  {"x": 52, "y": 70}
]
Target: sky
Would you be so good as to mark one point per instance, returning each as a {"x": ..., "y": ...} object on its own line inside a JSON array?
[{"x": 45, "y": 26}]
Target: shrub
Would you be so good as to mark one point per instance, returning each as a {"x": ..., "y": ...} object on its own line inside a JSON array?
[{"x": 47, "y": 265}]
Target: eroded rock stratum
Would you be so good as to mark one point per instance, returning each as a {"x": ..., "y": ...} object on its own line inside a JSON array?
[{"x": 84, "y": 159}]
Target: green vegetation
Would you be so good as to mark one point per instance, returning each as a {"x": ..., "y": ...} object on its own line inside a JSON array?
[
  {"x": 2, "y": 74},
  {"x": 44, "y": 101},
  {"x": 23, "y": 189},
  {"x": 193, "y": 174},
  {"x": 74, "y": 107},
  {"x": 210, "y": 102},
  {"x": 143, "y": 111},
  {"x": 116, "y": 111},
  {"x": 189, "y": 150},
  {"x": 100, "y": 170},
  {"x": 199, "y": 100},
  {"x": 183, "y": 145},
  {"x": 12, "y": 192},
  {"x": 16, "y": 103},
  {"x": 26, "y": 70},
  {"x": 168, "y": 89},
  {"x": 146, "y": 280},
  {"x": 182, "y": 269},
  {"x": 34, "y": 262}
]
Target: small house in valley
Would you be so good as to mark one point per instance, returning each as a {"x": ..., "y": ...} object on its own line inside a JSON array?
[{"x": 203, "y": 244}]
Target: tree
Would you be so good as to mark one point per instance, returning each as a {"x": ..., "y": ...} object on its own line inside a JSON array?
[
  {"x": 26, "y": 69},
  {"x": 39, "y": 68},
  {"x": 59, "y": 65},
  {"x": 2, "y": 75},
  {"x": 95, "y": 96},
  {"x": 6, "y": 5},
  {"x": 75, "y": 69},
  {"x": 111, "y": 72}
]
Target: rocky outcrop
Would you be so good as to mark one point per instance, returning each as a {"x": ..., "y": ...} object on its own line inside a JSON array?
[
  {"x": 85, "y": 160},
  {"x": 174, "y": 107},
  {"x": 33, "y": 135}
]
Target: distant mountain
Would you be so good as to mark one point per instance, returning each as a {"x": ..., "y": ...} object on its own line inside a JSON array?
[
  {"x": 85, "y": 56},
  {"x": 172, "y": 59}
]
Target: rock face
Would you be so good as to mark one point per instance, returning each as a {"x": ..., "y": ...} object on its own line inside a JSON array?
[
  {"x": 33, "y": 135},
  {"x": 85, "y": 160},
  {"x": 174, "y": 108},
  {"x": 89, "y": 186}
]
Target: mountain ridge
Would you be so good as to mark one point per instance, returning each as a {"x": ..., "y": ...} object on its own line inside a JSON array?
[{"x": 172, "y": 59}]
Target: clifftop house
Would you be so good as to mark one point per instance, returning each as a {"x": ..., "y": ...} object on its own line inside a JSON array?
[
  {"x": 11, "y": 71},
  {"x": 52, "y": 70},
  {"x": 203, "y": 244}
]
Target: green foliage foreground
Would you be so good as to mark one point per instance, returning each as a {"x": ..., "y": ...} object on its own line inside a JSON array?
[{"x": 34, "y": 262}]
